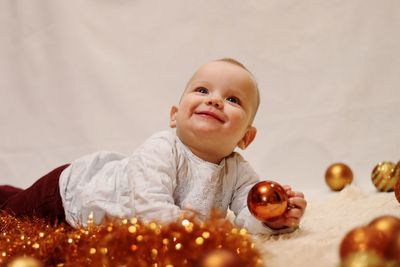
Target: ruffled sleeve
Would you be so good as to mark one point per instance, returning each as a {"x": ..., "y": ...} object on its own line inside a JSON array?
[
  {"x": 114, "y": 185},
  {"x": 97, "y": 184}
]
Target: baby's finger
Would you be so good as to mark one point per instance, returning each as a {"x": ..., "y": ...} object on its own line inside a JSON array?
[
  {"x": 297, "y": 202},
  {"x": 295, "y": 194},
  {"x": 294, "y": 213},
  {"x": 292, "y": 222},
  {"x": 287, "y": 188}
]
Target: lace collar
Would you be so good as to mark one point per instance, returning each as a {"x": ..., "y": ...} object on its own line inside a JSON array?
[{"x": 198, "y": 160}]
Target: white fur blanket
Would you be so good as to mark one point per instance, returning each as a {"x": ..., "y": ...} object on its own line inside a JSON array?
[{"x": 323, "y": 227}]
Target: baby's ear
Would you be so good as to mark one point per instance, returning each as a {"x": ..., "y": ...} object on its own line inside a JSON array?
[
  {"x": 247, "y": 138},
  {"x": 172, "y": 116}
]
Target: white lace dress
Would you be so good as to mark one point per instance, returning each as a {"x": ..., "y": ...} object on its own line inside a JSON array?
[{"x": 157, "y": 182}]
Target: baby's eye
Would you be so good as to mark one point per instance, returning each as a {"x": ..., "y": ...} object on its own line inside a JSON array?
[
  {"x": 202, "y": 90},
  {"x": 233, "y": 99}
]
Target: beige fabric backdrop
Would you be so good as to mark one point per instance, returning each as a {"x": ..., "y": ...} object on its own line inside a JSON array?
[{"x": 79, "y": 76}]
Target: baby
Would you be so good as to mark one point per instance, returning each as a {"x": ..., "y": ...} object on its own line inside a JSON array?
[{"x": 192, "y": 167}]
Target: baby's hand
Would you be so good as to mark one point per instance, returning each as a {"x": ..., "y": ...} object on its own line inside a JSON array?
[{"x": 291, "y": 218}]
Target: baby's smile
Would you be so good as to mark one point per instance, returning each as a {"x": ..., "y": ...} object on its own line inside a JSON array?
[{"x": 211, "y": 115}]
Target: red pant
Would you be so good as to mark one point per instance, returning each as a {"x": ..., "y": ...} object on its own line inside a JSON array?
[{"x": 42, "y": 199}]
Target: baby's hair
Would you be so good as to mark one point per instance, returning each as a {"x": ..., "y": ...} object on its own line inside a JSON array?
[{"x": 238, "y": 63}]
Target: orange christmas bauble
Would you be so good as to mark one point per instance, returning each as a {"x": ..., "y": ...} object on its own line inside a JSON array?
[
  {"x": 220, "y": 258},
  {"x": 363, "y": 238},
  {"x": 267, "y": 200},
  {"x": 397, "y": 177},
  {"x": 382, "y": 176},
  {"x": 363, "y": 259},
  {"x": 397, "y": 190},
  {"x": 396, "y": 172},
  {"x": 338, "y": 175},
  {"x": 393, "y": 251},
  {"x": 387, "y": 224}
]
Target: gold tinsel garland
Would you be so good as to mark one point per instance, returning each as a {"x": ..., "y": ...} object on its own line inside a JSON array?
[{"x": 127, "y": 242}]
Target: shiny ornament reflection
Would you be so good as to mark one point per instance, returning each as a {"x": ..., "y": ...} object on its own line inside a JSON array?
[
  {"x": 338, "y": 175},
  {"x": 267, "y": 200},
  {"x": 382, "y": 176}
]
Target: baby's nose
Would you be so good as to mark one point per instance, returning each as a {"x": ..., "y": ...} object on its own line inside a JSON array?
[{"x": 216, "y": 102}]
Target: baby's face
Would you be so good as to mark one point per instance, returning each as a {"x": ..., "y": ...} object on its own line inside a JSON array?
[{"x": 216, "y": 108}]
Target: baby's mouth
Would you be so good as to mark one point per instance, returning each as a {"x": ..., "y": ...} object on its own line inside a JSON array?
[{"x": 210, "y": 115}]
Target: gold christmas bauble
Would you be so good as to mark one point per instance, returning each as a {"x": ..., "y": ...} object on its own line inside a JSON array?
[
  {"x": 267, "y": 200},
  {"x": 338, "y": 175},
  {"x": 382, "y": 176},
  {"x": 361, "y": 239},
  {"x": 363, "y": 259}
]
